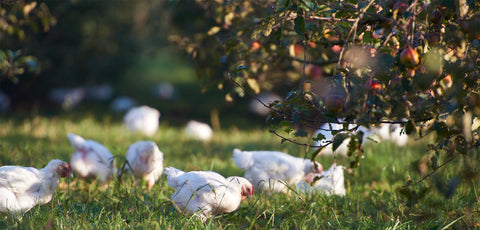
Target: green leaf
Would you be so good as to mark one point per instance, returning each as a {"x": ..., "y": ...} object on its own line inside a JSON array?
[
  {"x": 299, "y": 25},
  {"x": 282, "y": 5},
  {"x": 315, "y": 154},
  {"x": 441, "y": 129},
  {"x": 307, "y": 5},
  {"x": 410, "y": 128},
  {"x": 319, "y": 137},
  {"x": 338, "y": 140},
  {"x": 367, "y": 37},
  {"x": 288, "y": 130},
  {"x": 352, "y": 145}
]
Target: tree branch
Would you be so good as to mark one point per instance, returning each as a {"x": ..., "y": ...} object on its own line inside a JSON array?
[
  {"x": 296, "y": 142},
  {"x": 331, "y": 19}
]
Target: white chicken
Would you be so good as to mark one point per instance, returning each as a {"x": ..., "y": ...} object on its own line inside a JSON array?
[
  {"x": 272, "y": 171},
  {"x": 68, "y": 98},
  {"x": 164, "y": 90},
  {"x": 198, "y": 131},
  {"x": 142, "y": 119},
  {"x": 260, "y": 109},
  {"x": 122, "y": 104},
  {"x": 331, "y": 182},
  {"x": 22, "y": 188},
  {"x": 205, "y": 193},
  {"x": 326, "y": 130},
  {"x": 145, "y": 160},
  {"x": 99, "y": 92},
  {"x": 91, "y": 159},
  {"x": 393, "y": 133}
]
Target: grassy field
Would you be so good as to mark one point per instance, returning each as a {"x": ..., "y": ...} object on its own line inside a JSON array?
[
  {"x": 33, "y": 138},
  {"x": 372, "y": 200}
]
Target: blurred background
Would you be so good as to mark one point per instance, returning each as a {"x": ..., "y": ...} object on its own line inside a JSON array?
[{"x": 102, "y": 57}]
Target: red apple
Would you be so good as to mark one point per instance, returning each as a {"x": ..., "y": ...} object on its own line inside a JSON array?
[
  {"x": 298, "y": 49},
  {"x": 314, "y": 72},
  {"x": 255, "y": 45},
  {"x": 334, "y": 103},
  {"x": 336, "y": 48},
  {"x": 400, "y": 7},
  {"x": 410, "y": 58},
  {"x": 372, "y": 86},
  {"x": 446, "y": 82}
]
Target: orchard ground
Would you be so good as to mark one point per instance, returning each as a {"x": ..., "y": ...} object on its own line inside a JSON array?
[{"x": 375, "y": 198}]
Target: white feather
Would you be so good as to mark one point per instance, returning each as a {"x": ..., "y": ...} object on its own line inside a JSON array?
[
  {"x": 331, "y": 182},
  {"x": 272, "y": 171},
  {"x": 142, "y": 119},
  {"x": 22, "y": 188},
  {"x": 198, "y": 131},
  {"x": 66, "y": 97},
  {"x": 146, "y": 161},
  {"x": 205, "y": 193},
  {"x": 393, "y": 133},
  {"x": 91, "y": 159},
  {"x": 164, "y": 90}
]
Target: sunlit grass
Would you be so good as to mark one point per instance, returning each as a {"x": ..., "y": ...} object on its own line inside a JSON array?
[{"x": 372, "y": 200}]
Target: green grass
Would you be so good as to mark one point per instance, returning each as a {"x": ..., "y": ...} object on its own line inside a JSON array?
[
  {"x": 33, "y": 138},
  {"x": 372, "y": 200}
]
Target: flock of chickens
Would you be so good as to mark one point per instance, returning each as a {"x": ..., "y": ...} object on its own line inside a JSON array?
[{"x": 199, "y": 193}]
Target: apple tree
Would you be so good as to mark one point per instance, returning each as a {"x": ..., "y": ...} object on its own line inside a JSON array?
[
  {"x": 362, "y": 62},
  {"x": 19, "y": 20}
]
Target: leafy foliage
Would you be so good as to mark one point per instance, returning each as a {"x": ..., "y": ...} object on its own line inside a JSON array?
[
  {"x": 51, "y": 44},
  {"x": 18, "y": 22},
  {"x": 423, "y": 58}
]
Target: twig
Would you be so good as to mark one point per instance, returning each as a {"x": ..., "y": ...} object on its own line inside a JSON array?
[
  {"x": 275, "y": 110},
  {"x": 375, "y": 15},
  {"x": 332, "y": 19},
  {"x": 412, "y": 6},
  {"x": 253, "y": 95},
  {"x": 298, "y": 143},
  {"x": 388, "y": 38},
  {"x": 304, "y": 75}
]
